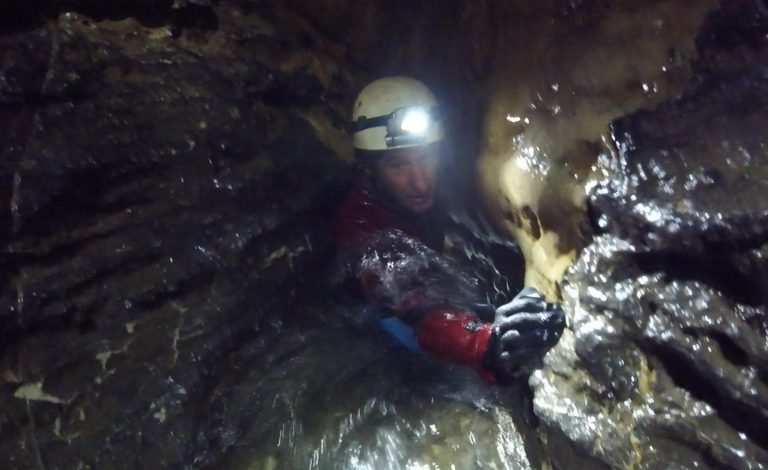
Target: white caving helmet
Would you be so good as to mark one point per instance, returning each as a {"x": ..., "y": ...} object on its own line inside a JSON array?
[{"x": 395, "y": 112}]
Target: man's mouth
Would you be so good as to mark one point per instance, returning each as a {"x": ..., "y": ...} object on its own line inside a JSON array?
[{"x": 419, "y": 200}]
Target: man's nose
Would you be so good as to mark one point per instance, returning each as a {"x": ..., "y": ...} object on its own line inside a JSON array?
[{"x": 419, "y": 178}]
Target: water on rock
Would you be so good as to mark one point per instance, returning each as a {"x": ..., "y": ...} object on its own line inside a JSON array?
[
  {"x": 666, "y": 365},
  {"x": 169, "y": 168}
]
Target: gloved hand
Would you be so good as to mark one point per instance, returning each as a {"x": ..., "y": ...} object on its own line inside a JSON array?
[{"x": 522, "y": 331}]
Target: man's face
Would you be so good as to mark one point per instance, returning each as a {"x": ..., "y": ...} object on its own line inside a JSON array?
[{"x": 408, "y": 175}]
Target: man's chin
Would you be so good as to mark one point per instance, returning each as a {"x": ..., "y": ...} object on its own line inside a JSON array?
[{"x": 420, "y": 205}]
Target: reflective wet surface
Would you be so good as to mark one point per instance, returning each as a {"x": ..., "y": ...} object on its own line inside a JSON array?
[
  {"x": 668, "y": 348},
  {"x": 322, "y": 398},
  {"x": 168, "y": 174}
]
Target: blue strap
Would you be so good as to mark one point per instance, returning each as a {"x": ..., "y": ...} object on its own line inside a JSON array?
[{"x": 401, "y": 332}]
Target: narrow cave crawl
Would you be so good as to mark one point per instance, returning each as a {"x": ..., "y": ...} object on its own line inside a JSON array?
[{"x": 290, "y": 234}]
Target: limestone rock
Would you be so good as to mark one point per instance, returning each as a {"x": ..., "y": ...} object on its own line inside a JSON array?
[
  {"x": 160, "y": 182},
  {"x": 666, "y": 363},
  {"x": 551, "y": 99}
]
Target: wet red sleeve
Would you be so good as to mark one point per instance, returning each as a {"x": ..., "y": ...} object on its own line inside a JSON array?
[{"x": 456, "y": 336}]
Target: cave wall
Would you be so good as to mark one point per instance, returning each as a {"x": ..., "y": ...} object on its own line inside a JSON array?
[
  {"x": 168, "y": 170},
  {"x": 552, "y": 92},
  {"x": 665, "y": 363}
]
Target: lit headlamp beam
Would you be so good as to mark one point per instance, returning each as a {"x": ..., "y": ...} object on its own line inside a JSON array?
[{"x": 415, "y": 121}]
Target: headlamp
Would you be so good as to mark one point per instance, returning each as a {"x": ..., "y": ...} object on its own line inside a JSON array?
[
  {"x": 414, "y": 121},
  {"x": 405, "y": 126}
]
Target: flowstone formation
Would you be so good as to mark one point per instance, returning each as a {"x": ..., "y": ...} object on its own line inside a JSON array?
[
  {"x": 666, "y": 365},
  {"x": 551, "y": 95}
]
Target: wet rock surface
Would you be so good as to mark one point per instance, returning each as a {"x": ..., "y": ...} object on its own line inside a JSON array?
[
  {"x": 169, "y": 168},
  {"x": 582, "y": 66},
  {"x": 168, "y": 175},
  {"x": 665, "y": 366},
  {"x": 152, "y": 215}
]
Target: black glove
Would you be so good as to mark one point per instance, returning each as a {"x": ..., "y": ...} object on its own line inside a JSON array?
[
  {"x": 523, "y": 330},
  {"x": 485, "y": 312}
]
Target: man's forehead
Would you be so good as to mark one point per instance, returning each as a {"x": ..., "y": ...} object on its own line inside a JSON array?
[{"x": 409, "y": 152}]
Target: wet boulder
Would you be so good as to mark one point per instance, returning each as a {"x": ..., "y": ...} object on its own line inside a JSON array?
[{"x": 665, "y": 366}]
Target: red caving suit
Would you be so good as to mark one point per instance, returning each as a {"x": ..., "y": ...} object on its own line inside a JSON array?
[{"x": 447, "y": 332}]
